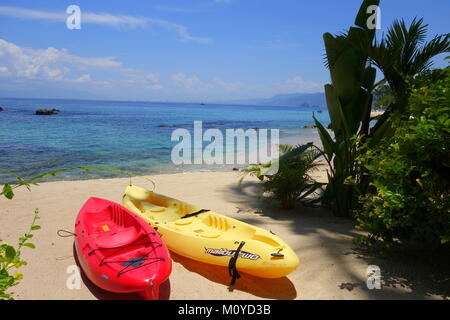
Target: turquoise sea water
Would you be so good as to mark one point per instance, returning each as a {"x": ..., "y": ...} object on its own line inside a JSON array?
[{"x": 131, "y": 136}]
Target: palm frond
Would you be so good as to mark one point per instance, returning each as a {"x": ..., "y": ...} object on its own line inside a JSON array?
[{"x": 439, "y": 44}]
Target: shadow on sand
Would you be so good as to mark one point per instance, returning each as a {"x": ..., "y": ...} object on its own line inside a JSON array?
[
  {"x": 406, "y": 273},
  {"x": 281, "y": 288},
  {"x": 420, "y": 271}
]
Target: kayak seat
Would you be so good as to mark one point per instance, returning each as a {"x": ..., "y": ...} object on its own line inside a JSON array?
[
  {"x": 183, "y": 222},
  {"x": 216, "y": 223},
  {"x": 150, "y": 207},
  {"x": 117, "y": 239},
  {"x": 210, "y": 236}
]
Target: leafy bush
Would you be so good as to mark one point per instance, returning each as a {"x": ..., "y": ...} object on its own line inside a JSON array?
[
  {"x": 351, "y": 57},
  {"x": 10, "y": 258},
  {"x": 292, "y": 182},
  {"x": 410, "y": 174},
  {"x": 383, "y": 97}
]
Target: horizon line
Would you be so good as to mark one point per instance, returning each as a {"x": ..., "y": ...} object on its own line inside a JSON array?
[
  {"x": 165, "y": 101},
  {"x": 154, "y": 101}
]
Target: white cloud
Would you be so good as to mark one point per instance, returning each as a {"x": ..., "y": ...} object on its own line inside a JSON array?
[
  {"x": 228, "y": 86},
  {"x": 92, "y": 62},
  {"x": 86, "y": 17},
  {"x": 113, "y": 20},
  {"x": 32, "y": 14},
  {"x": 50, "y": 64},
  {"x": 190, "y": 83},
  {"x": 298, "y": 84},
  {"x": 195, "y": 84},
  {"x": 82, "y": 79},
  {"x": 138, "y": 77},
  {"x": 53, "y": 68},
  {"x": 181, "y": 30},
  {"x": 104, "y": 19},
  {"x": 59, "y": 66},
  {"x": 4, "y": 70},
  {"x": 218, "y": 87},
  {"x": 155, "y": 86},
  {"x": 174, "y": 9}
]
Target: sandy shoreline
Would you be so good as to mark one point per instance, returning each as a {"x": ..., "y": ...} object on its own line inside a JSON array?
[{"x": 330, "y": 268}]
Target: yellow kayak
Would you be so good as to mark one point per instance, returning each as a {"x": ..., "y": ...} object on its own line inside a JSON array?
[{"x": 213, "y": 238}]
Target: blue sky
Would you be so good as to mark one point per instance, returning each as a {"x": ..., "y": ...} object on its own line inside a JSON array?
[{"x": 180, "y": 50}]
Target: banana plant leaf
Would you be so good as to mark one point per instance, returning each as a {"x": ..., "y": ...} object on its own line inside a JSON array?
[{"x": 329, "y": 146}]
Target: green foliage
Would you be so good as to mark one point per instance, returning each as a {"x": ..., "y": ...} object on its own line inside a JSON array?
[
  {"x": 10, "y": 259},
  {"x": 383, "y": 97},
  {"x": 409, "y": 197},
  {"x": 28, "y": 182},
  {"x": 402, "y": 54},
  {"x": 349, "y": 101},
  {"x": 292, "y": 182}
]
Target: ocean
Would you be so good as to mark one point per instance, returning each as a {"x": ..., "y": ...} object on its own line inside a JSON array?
[{"x": 127, "y": 135}]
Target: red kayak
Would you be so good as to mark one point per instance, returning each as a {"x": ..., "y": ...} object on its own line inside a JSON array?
[{"x": 120, "y": 252}]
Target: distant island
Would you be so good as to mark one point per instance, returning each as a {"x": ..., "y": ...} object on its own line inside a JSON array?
[{"x": 288, "y": 100}]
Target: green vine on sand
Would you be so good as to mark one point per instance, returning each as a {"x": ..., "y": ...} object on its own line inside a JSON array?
[
  {"x": 8, "y": 188},
  {"x": 10, "y": 259}
]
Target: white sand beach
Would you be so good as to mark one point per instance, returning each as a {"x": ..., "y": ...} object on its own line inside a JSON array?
[{"x": 330, "y": 267}]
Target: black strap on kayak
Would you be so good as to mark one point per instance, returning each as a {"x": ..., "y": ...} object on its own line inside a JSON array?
[
  {"x": 194, "y": 213},
  {"x": 232, "y": 265},
  {"x": 132, "y": 244},
  {"x": 128, "y": 264},
  {"x": 102, "y": 261},
  {"x": 136, "y": 263}
]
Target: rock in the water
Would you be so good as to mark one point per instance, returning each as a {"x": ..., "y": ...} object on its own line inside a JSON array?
[
  {"x": 47, "y": 112},
  {"x": 1, "y": 109},
  {"x": 309, "y": 127}
]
